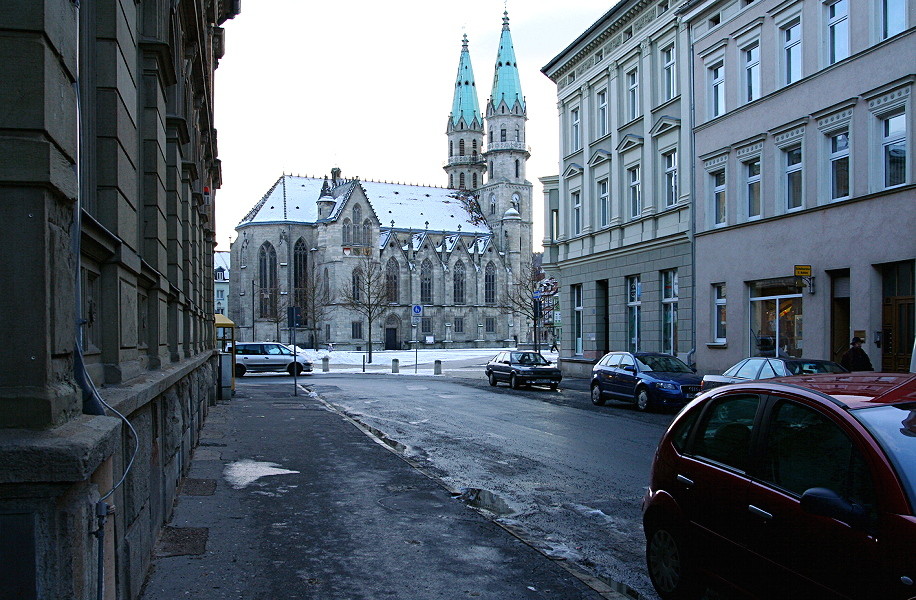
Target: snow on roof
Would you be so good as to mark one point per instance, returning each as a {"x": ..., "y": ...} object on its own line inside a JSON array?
[
  {"x": 221, "y": 259},
  {"x": 291, "y": 198}
]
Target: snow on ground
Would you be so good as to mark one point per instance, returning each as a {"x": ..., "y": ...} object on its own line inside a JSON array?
[{"x": 405, "y": 357}]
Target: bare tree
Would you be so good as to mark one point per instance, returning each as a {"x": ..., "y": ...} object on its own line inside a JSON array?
[
  {"x": 521, "y": 293},
  {"x": 367, "y": 292},
  {"x": 273, "y": 307},
  {"x": 314, "y": 297}
]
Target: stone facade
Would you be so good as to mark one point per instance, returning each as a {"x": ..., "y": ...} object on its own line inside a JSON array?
[{"x": 108, "y": 149}]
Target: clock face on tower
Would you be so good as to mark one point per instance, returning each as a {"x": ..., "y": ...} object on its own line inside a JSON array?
[{"x": 515, "y": 200}]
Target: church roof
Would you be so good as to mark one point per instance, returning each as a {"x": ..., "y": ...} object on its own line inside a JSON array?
[
  {"x": 291, "y": 198},
  {"x": 464, "y": 104},
  {"x": 506, "y": 83}
]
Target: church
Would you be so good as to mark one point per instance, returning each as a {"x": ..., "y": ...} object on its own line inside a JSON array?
[{"x": 456, "y": 251}]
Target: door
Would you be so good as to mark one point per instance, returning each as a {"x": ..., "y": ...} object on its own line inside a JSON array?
[
  {"x": 391, "y": 338},
  {"x": 897, "y": 335},
  {"x": 624, "y": 383}
]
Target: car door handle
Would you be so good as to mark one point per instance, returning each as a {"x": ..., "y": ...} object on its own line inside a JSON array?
[
  {"x": 686, "y": 481},
  {"x": 759, "y": 512}
]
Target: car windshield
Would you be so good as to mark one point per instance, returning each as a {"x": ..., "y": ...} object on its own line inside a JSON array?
[
  {"x": 895, "y": 429},
  {"x": 662, "y": 364},
  {"x": 529, "y": 358},
  {"x": 809, "y": 367}
]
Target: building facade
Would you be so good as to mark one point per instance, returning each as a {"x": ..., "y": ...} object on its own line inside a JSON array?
[
  {"x": 455, "y": 251},
  {"x": 108, "y": 149},
  {"x": 618, "y": 216},
  {"x": 805, "y": 197},
  {"x": 221, "y": 264}
]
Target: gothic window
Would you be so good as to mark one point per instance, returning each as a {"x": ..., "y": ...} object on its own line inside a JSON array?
[
  {"x": 426, "y": 282},
  {"x": 392, "y": 274},
  {"x": 367, "y": 232},
  {"x": 517, "y": 168},
  {"x": 460, "y": 147},
  {"x": 357, "y": 214},
  {"x": 461, "y": 181},
  {"x": 474, "y": 148},
  {"x": 502, "y": 134},
  {"x": 451, "y": 148},
  {"x": 492, "y": 204},
  {"x": 267, "y": 278},
  {"x": 489, "y": 284},
  {"x": 300, "y": 272},
  {"x": 326, "y": 287},
  {"x": 458, "y": 276},
  {"x": 346, "y": 232},
  {"x": 356, "y": 284},
  {"x": 357, "y": 217},
  {"x": 451, "y": 181},
  {"x": 518, "y": 135},
  {"x": 474, "y": 181}
]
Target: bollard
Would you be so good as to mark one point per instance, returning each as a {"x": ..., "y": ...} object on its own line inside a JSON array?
[
  {"x": 437, "y": 367},
  {"x": 325, "y": 364},
  {"x": 395, "y": 365}
]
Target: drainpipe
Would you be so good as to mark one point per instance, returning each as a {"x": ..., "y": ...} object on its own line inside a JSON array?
[{"x": 691, "y": 359}]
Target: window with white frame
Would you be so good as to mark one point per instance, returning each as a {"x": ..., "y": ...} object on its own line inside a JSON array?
[
  {"x": 716, "y": 89},
  {"x": 632, "y": 79},
  {"x": 601, "y": 102},
  {"x": 669, "y": 73},
  {"x": 669, "y": 311},
  {"x": 794, "y": 188},
  {"x": 634, "y": 191},
  {"x": 893, "y": 17},
  {"x": 576, "y": 292},
  {"x": 604, "y": 202},
  {"x": 718, "y": 197},
  {"x": 719, "y": 312},
  {"x": 577, "y": 213},
  {"x": 669, "y": 160},
  {"x": 839, "y": 165},
  {"x": 837, "y": 31},
  {"x": 751, "y": 72},
  {"x": 894, "y": 149},
  {"x": 752, "y": 186},
  {"x": 574, "y": 138},
  {"x": 634, "y": 309},
  {"x": 792, "y": 52}
]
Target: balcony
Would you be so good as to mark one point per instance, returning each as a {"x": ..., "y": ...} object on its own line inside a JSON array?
[
  {"x": 472, "y": 159},
  {"x": 519, "y": 146}
]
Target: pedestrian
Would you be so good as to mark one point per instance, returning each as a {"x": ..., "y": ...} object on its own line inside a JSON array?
[
  {"x": 553, "y": 346},
  {"x": 855, "y": 359},
  {"x": 330, "y": 347}
]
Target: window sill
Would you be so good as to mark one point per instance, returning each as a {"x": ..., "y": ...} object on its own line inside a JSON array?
[{"x": 717, "y": 345}]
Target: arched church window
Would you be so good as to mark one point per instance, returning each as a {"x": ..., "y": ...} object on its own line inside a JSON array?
[
  {"x": 451, "y": 181},
  {"x": 458, "y": 282},
  {"x": 489, "y": 284},
  {"x": 474, "y": 181},
  {"x": 451, "y": 148},
  {"x": 367, "y": 232},
  {"x": 426, "y": 282},
  {"x": 326, "y": 287},
  {"x": 300, "y": 272},
  {"x": 356, "y": 285},
  {"x": 460, "y": 147},
  {"x": 392, "y": 276},
  {"x": 518, "y": 135},
  {"x": 461, "y": 180},
  {"x": 267, "y": 279},
  {"x": 492, "y": 204},
  {"x": 517, "y": 168},
  {"x": 357, "y": 214},
  {"x": 502, "y": 134},
  {"x": 345, "y": 237}
]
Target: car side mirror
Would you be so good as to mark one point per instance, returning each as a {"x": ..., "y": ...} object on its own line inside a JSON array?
[
  {"x": 630, "y": 368},
  {"x": 827, "y": 503}
]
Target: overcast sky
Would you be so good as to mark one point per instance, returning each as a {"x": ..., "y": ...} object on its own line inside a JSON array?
[{"x": 367, "y": 86}]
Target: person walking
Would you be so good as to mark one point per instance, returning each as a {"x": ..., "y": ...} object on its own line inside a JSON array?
[{"x": 855, "y": 359}]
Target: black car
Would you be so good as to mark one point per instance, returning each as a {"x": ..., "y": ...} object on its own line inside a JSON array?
[
  {"x": 763, "y": 367},
  {"x": 649, "y": 379},
  {"x": 519, "y": 368}
]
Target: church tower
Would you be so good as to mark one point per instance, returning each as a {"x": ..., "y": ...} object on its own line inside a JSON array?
[{"x": 465, "y": 166}]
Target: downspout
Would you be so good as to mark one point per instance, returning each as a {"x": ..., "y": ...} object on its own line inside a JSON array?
[{"x": 691, "y": 359}]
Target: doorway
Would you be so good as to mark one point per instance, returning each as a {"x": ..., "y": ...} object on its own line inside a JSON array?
[
  {"x": 898, "y": 316},
  {"x": 391, "y": 338},
  {"x": 839, "y": 314}
]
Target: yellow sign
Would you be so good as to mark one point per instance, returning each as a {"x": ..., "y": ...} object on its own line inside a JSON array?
[{"x": 803, "y": 270}]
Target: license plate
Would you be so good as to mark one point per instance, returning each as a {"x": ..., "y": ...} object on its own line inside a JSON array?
[{"x": 542, "y": 381}]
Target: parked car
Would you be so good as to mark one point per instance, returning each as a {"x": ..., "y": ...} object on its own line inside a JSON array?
[
  {"x": 650, "y": 379},
  {"x": 519, "y": 368},
  {"x": 760, "y": 367},
  {"x": 259, "y": 357},
  {"x": 792, "y": 487}
]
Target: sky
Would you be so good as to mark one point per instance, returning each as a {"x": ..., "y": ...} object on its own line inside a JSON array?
[{"x": 367, "y": 86}]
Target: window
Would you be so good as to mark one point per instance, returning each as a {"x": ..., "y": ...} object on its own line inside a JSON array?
[
  {"x": 518, "y": 134},
  {"x": 474, "y": 181},
  {"x": 634, "y": 307},
  {"x": 489, "y": 284},
  {"x": 577, "y": 213},
  {"x": 718, "y": 197},
  {"x": 356, "y": 285},
  {"x": 554, "y": 224},
  {"x": 752, "y": 187},
  {"x": 267, "y": 278},
  {"x": 492, "y": 202},
  {"x": 426, "y": 325},
  {"x": 634, "y": 195},
  {"x": 776, "y": 318},
  {"x": 792, "y": 49},
  {"x": 717, "y": 89},
  {"x": 461, "y": 184},
  {"x": 460, "y": 147},
  {"x": 632, "y": 94},
  {"x": 356, "y": 330},
  {"x": 518, "y": 168},
  {"x": 502, "y": 134},
  {"x": 458, "y": 282},
  {"x": 752, "y": 72},
  {"x": 669, "y": 73},
  {"x": 602, "y": 112},
  {"x": 669, "y": 159},
  {"x": 793, "y": 157},
  {"x": 838, "y": 31},
  {"x": 669, "y": 311},
  {"x": 576, "y": 292},
  {"x": 894, "y": 149},
  {"x": 345, "y": 236},
  {"x": 300, "y": 273},
  {"x": 839, "y": 165},
  {"x": 574, "y": 131},
  {"x": 459, "y": 324},
  {"x": 893, "y": 17},
  {"x": 604, "y": 202},
  {"x": 490, "y": 324},
  {"x": 367, "y": 233},
  {"x": 357, "y": 219},
  {"x": 426, "y": 282},
  {"x": 719, "y": 312},
  {"x": 392, "y": 277},
  {"x": 724, "y": 435}
]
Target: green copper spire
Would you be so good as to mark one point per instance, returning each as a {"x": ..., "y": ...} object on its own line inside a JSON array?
[
  {"x": 506, "y": 83},
  {"x": 464, "y": 105}
]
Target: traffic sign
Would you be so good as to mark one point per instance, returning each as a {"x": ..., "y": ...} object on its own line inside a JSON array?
[{"x": 418, "y": 310}]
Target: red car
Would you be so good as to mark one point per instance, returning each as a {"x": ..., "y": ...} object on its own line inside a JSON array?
[{"x": 798, "y": 487}]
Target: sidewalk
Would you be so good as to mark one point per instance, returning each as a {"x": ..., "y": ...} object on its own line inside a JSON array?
[{"x": 287, "y": 499}]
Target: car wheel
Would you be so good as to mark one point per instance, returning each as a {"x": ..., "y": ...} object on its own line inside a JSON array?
[
  {"x": 294, "y": 368},
  {"x": 240, "y": 370},
  {"x": 514, "y": 382},
  {"x": 670, "y": 566},
  {"x": 554, "y": 386},
  {"x": 643, "y": 402},
  {"x": 597, "y": 397},
  {"x": 492, "y": 379}
]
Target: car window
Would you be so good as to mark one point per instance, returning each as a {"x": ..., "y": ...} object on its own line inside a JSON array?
[
  {"x": 724, "y": 434},
  {"x": 810, "y": 367},
  {"x": 734, "y": 369},
  {"x": 626, "y": 360},
  {"x": 272, "y": 349},
  {"x": 613, "y": 360},
  {"x": 805, "y": 449},
  {"x": 681, "y": 430},
  {"x": 767, "y": 370},
  {"x": 663, "y": 364},
  {"x": 750, "y": 369},
  {"x": 250, "y": 349},
  {"x": 895, "y": 429}
]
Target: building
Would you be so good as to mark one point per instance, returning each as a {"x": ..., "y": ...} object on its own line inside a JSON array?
[
  {"x": 221, "y": 282},
  {"x": 618, "y": 215},
  {"x": 804, "y": 194},
  {"x": 108, "y": 152},
  {"x": 455, "y": 251}
]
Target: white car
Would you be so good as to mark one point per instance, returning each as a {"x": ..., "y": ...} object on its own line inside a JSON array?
[{"x": 260, "y": 357}]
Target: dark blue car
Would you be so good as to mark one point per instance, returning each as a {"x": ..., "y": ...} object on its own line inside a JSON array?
[{"x": 651, "y": 380}]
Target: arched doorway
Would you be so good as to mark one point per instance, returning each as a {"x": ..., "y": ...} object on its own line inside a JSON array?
[{"x": 392, "y": 326}]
